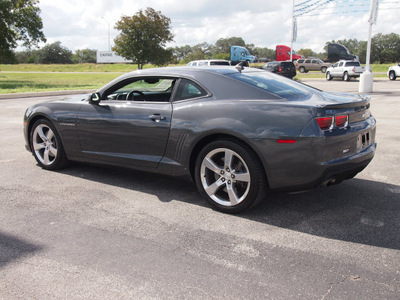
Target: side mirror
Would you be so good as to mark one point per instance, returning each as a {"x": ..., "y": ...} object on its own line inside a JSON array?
[{"x": 94, "y": 98}]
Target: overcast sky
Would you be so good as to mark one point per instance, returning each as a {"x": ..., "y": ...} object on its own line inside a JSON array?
[{"x": 81, "y": 24}]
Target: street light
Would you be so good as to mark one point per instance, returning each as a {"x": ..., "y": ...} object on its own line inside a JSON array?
[{"x": 109, "y": 38}]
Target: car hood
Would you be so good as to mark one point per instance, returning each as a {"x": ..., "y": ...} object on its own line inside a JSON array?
[{"x": 73, "y": 98}]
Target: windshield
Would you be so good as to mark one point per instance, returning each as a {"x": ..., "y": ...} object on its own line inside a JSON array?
[{"x": 276, "y": 85}]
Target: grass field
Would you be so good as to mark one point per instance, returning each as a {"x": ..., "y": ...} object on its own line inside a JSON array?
[{"x": 23, "y": 78}]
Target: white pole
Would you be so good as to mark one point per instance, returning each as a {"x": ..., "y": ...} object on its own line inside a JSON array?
[
  {"x": 367, "y": 78},
  {"x": 109, "y": 38},
  {"x": 291, "y": 42}
]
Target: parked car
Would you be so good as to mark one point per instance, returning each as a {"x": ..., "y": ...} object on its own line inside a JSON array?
[
  {"x": 345, "y": 69},
  {"x": 394, "y": 72},
  {"x": 238, "y": 132},
  {"x": 209, "y": 62},
  {"x": 311, "y": 64},
  {"x": 284, "y": 68}
]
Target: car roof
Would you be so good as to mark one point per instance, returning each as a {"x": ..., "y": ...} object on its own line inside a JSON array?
[
  {"x": 188, "y": 71},
  {"x": 206, "y": 60},
  {"x": 182, "y": 71}
]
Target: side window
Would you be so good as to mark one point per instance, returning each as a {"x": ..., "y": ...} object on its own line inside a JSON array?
[
  {"x": 188, "y": 89},
  {"x": 335, "y": 65},
  {"x": 153, "y": 89},
  {"x": 341, "y": 64},
  {"x": 315, "y": 61},
  {"x": 308, "y": 61}
]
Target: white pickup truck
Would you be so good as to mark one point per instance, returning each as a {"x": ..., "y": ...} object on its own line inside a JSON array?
[
  {"x": 394, "y": 72},
  {"x": 345, "y": 69}
]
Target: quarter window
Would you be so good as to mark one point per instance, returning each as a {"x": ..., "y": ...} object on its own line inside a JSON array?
[{"x": 188, "y": 89}]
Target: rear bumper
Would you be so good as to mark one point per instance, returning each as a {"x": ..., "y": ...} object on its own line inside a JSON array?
[
  {"x": 346, "y": 168},
  {"x": 330, "y": 172}
]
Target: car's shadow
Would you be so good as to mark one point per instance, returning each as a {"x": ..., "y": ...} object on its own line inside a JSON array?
[
  {"x": 13, "y": 248},
  {"x": 357, "y": 210}
]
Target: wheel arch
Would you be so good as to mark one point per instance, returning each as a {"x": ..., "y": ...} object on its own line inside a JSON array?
[{"x": 221, "y": 136}]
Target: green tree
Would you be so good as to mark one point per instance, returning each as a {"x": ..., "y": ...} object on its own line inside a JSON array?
[
  {"x": 143, "y": 37},
  {"x": 385, "y": 48},
  {"x": 26, "y": 56},
  {"x": 19, "y": 22},
  {"x": 223, "y": 45},
  {"x": 265, "y": 53},
  {"x": 84, "y": 56},
  {"x": 180, "y": 53},
  {"x": 54, "y": 53},
  {"x": 306, "y": 52}
]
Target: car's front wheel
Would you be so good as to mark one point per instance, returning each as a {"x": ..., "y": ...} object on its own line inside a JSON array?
[
  {"x": 328, "y": 76},
  {"x": 323, "y": 69},
  {"x": 392, "y": 75},
  {"x": 46, "y": 145},
  {"x": 230, "y": 176}
]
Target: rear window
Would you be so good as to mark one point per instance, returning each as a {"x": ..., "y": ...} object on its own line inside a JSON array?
[
  {"x": 219, "y": 63},
  {"x": 352, "y": 64},
  {"x": 287, "y": 64},
  {"x": 276, "y": 85}
]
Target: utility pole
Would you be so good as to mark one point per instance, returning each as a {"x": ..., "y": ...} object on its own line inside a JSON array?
[
  {"x": 109, "y": 38},
  {"x": 294, "y": 33},
  {"x": 367, "y": 78}
]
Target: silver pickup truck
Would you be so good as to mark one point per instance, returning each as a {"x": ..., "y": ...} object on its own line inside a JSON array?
[{"x": 345, "y": 69}]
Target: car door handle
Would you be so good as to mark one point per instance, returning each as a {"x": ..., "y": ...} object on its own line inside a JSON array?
[{"x": 157, "y": 117}]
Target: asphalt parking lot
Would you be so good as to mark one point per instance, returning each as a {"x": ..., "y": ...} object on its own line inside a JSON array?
[{"x": 91, "y": 232}]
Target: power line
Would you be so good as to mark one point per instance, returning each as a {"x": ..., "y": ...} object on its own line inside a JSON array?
[{"x": 335, "y": 7}]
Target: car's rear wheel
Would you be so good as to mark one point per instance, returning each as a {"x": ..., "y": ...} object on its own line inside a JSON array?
[
  {"x": 329, "y": 76},
  {"x": 302, "y": 70},
  {"x": 230, "y": 176},
  {"x": 392, "y": 75},
  {"x": 346, "y": 76},
  {"x": 46, "y": 145},
  {"x": 323, "y": 69}
]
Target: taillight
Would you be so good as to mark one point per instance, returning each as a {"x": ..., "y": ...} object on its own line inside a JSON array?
[
  {"x": 325, "y": 123},
  {"x": 342, "y": 121},
  {"x": 280, "y": 69}
]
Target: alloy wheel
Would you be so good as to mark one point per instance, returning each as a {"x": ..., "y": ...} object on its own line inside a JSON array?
[
  {"x": 44, "y": 144},
  {"x": 225, "y": 177}
]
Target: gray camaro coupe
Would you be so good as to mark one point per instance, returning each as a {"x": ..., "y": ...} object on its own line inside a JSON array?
[{"x": 237, "y": 132}]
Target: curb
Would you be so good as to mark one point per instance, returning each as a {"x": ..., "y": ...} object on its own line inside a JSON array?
[{"x": 44, "y": 94}]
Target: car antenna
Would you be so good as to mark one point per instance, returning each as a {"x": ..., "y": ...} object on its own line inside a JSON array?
[{"x": 239, "y": 66}]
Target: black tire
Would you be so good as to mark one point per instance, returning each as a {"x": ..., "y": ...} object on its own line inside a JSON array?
[
  {"x": 392, "y": 75},
  {"x": 302, "y": 70},
  {"x": 329, "y": 76},
  {"x": 323, "y": 69},
  {"x": 232, "y": 187},
  {"x": 346, "y": 76},
  {"x": 46, "y": 145}
]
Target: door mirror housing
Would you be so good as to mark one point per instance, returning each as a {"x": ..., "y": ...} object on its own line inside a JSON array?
[{"x": 94, "y": 98}]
